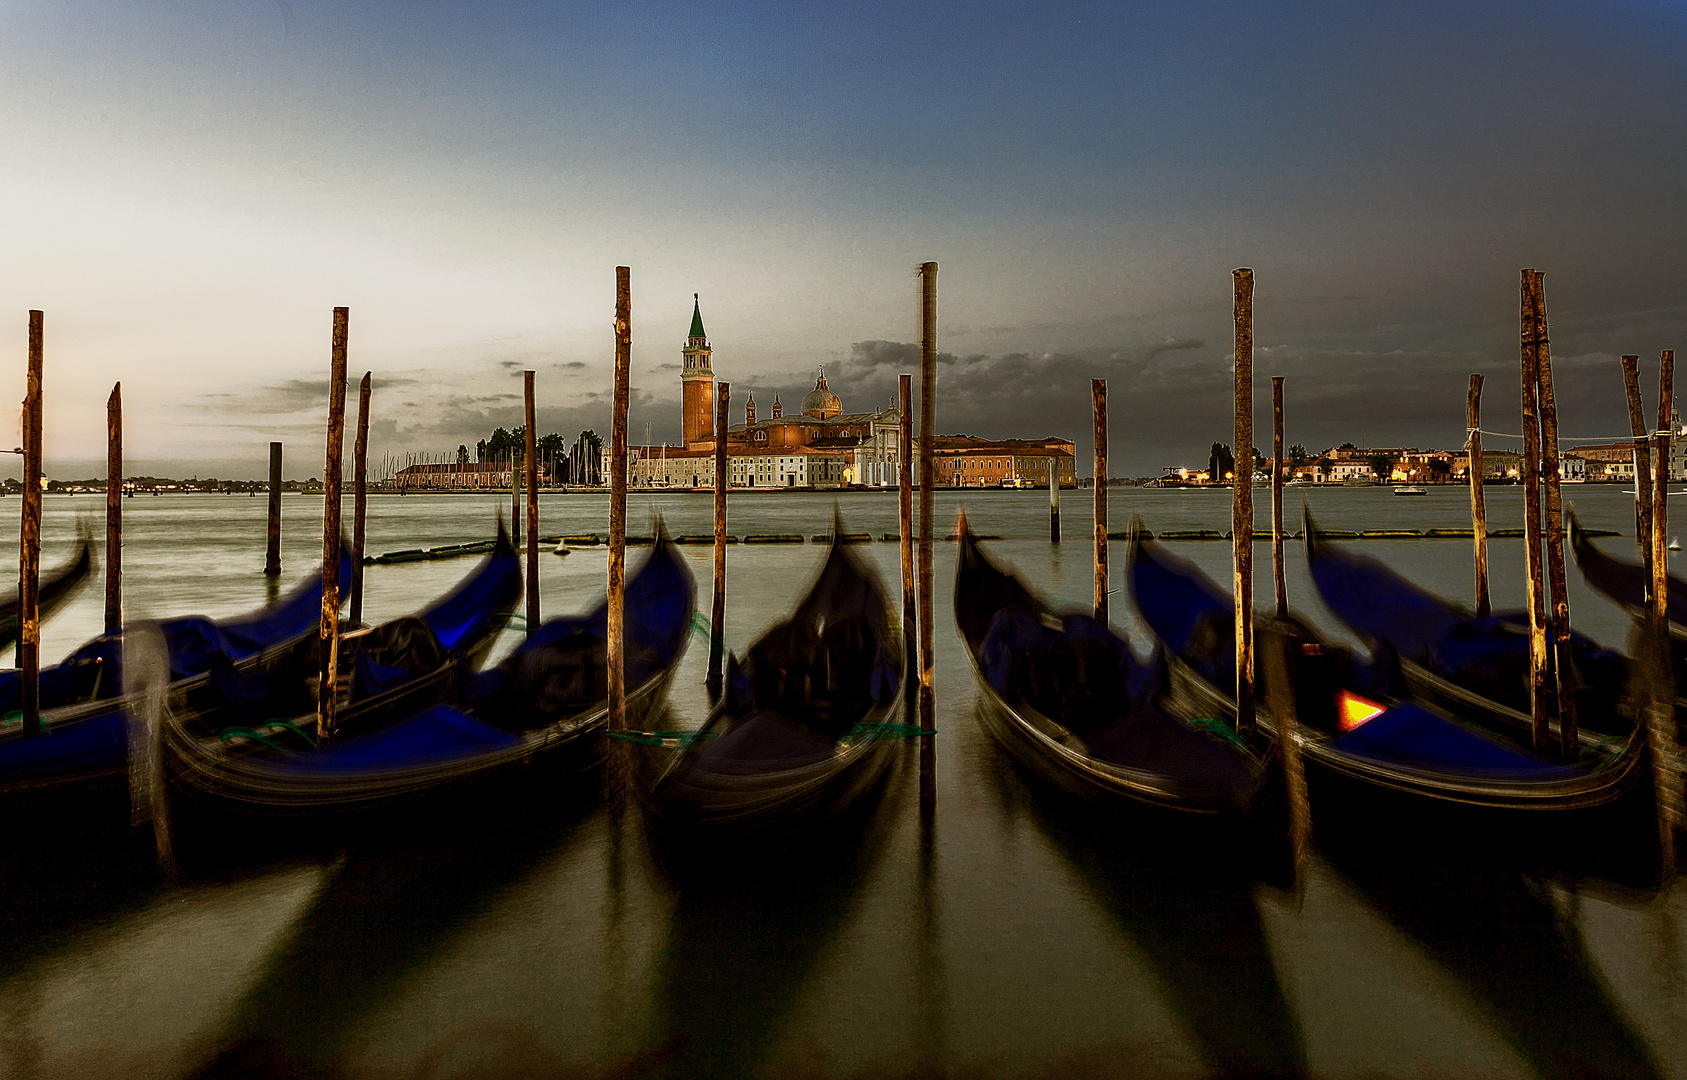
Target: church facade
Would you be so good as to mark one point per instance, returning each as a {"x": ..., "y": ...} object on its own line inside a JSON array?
[{"x": 820, "y": 445}]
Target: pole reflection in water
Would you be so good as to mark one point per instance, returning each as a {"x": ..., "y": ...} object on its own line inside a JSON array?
[
  {"x": 751, "y": 922},
  {"x": 1495, "y": 929},
  {"x": 386, "y": 910},
  {"x": 1185, "y": 906}
]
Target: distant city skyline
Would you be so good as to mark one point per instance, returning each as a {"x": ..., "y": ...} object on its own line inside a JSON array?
[{"x": 191, "y": 187}]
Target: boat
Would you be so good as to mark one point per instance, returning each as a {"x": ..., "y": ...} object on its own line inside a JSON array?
[
  {"x": 1360, "y": 722},
  {"x": 85, "y": 706},
  {"x": 806, "y": 723},
  {"x": 1622, "y": 582},
  {"x": 1470, "y": 665},
  {"x": 418, "y": 719},
  {"x": 1410, "y": 490},
  {"x": 1067, "y": 697},
  {"x": 56, "y": 587}
]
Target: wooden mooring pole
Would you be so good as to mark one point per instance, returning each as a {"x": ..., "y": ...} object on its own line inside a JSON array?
[
  {"x": 114, "y": 510},
  {"x": 1558, "y": 594},
  {"x": 717, "y": 613},
  {"x": 1535, "y": 576},
  {"x": 1478, "y": 509},
  {"x": 1642, "y": 465},
  {"x": 272, "y": 550},
  {"x": 1660, "y": 713},
  {"x": 29, "y": 538},
  {"x": 532, "y": 452},
  {"x": 1098, "y": 401},
  {"x": 1242, "y": 502},
  {"x": 359, "y": 498},
  {"x": 329, "y": 633},
  {"x": 1054, "y": 500},
  {"x": 618, "y": 501},
  {"x": 928, "y": 509},
  {"x": 905, "y": 520},
  {"x": 1279, "y": 581},
  {"x": 515, "y": 503}
]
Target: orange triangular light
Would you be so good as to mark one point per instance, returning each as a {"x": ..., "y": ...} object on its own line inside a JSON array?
[{"x": 1353, "y": 710}]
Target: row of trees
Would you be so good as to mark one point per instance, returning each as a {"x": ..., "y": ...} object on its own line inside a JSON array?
[{"x": 580, "y": 463}]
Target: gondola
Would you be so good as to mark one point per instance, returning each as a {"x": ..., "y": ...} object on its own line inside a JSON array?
[
  {"x": 798, "y": 735},
  {"x": 56, "y": 587},
  {"x": 84, "y": 704},
  {"x": 1362, "y": 722},
  {"x": 1069, "y": 699},
  {"x": 418, "y": 719},
  {"x": 1455, "y": 660}
]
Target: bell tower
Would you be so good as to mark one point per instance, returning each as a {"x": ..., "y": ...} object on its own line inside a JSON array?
[{"x": 697, "y": 384}]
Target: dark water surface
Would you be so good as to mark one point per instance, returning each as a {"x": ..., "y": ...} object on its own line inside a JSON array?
[{"x": 538, "y": 934}]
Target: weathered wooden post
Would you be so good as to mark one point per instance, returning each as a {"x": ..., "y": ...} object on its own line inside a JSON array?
[
  {"x": 1277, "y": 576},
  {"x": 114, "y": 510},
  {"x": 1054, "y": 500},
  {"x": 717, "y": 614},
  {"x": 1098, "y": 401},
  {"x": 1660, "y": 713},
  {"x": 272, "y": 552},
  {"x": 1478, "y": 509},
  {"x": 1242, "y": 502},
  {"x": 1557, "y": 587},
  {"x": 532, "y": 452},
  {"x": 618, "y": 501},
  {"x": 905, "y": 519},
  {"x": 29, "y": 538},
  {"x": 1642, "y": 465},
  {"x": 329, "y": 633},
  {"x": 1532, "y": 554},
  {"x": 359, "y": 497},
  {"x": 928, "y": 492},
  {"x": 1535, "y": 573}
]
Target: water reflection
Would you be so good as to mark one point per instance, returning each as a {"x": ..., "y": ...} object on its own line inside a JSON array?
[
  {"x": 1187, "y": 907},
  {"x": 1496, "y": 929},
  {"x": 749, "y": 927},
  {"x": 385, "y": 911}
]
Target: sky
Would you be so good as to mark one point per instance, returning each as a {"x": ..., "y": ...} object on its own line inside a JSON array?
[{"x": 190, "y": 188}]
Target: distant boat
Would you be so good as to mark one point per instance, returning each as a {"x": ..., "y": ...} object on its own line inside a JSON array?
[
  {"x": 1299, "y": 481},
  {"x": 1410, "y": 491}
]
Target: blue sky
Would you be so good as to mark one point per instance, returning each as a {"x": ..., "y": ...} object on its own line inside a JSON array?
[{"x": 189, "y": 189}]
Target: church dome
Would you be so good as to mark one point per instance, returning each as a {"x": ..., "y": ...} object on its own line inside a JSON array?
[{"x": 821, "y": 402}]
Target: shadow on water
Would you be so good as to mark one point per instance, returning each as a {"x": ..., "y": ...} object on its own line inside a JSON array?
[
  {"x": 1186, "y": 906},
  {"x": 749, "y": 925},
  {"x": 385, "y": 911},
  {"x": 1495, "y": 928}
]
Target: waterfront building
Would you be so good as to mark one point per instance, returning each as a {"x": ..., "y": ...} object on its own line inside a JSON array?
[{"x": 460, "y": 476}]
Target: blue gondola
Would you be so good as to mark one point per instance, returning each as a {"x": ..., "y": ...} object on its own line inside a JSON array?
[
  {"x": 85, "y": 709},
  {"x": 799, "y": 733},
  {"x": 1065, "y": 695},
  {"x": 419, "y": 719},
  {"x": 1359, "y": 721},
  {"x": 56, "y": 587},
  {"x": 1451, "y": 657}
]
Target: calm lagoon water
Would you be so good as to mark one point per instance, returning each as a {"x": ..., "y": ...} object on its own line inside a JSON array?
[{"x": 1011, "y": 938}]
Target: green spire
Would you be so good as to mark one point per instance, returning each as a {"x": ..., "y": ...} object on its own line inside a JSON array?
[{"x": 696, "y": 317}]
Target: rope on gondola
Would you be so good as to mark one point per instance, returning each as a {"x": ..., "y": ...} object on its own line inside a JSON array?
[
  {"x": 1219, "y": 728},
  {"x": 262, "y": 732}
]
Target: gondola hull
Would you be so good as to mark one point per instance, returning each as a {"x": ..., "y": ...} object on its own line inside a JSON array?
[
  {"x": 1425, "y": 755},
  {"x": 445, "y": 730},
  {"x": 768, "y": 765}
]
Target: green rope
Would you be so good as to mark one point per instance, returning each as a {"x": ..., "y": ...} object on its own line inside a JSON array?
[
  {"x": 861, "y": 732},
  {"x": 510, "y": 620},
  {"x": 290, "y": 726},
  {"x": 248, "y": 733},
  {"x": 700, "y": 625},
  {"x": 1219, "y": 728}
]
